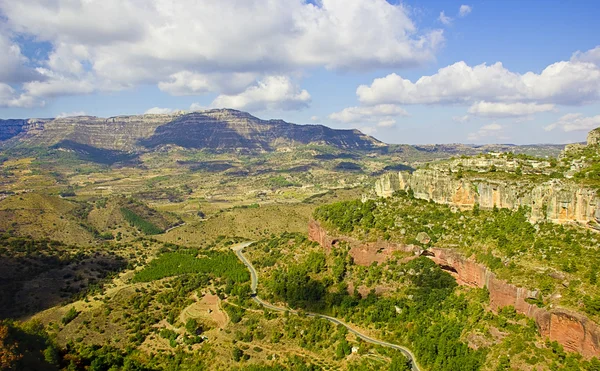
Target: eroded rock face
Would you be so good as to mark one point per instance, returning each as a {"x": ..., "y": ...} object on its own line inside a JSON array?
[
  {"x": 593, "y": 137},
  {"x": 574, "y": 331},
  {"x": 556, "y": 200}
]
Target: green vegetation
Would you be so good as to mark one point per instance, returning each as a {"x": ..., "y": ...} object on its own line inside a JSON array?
[
  {"x": 503, "y": 240},
  {"x": 137, "y": 221},
  {"x": 446, "y": 326},
  {"x": 348, "y": 215},
  {"x": 220, "y": 264},
  {"x": 280, "y": 182},
  {"x": 69, "y": 316}
]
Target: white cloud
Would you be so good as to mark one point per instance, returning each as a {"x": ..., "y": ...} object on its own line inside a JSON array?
[
  {"x": 386, "y": 124},
  {"x": 57, "y": 85},
  {"x": 198, "y": 107},
  {"x": 71, "y": 114},
  {"x": 591, "y": 56},
  {"x": 190, "y": 83},
  {"x": 493, "y": 130},
  {"x": 499, "y": 110},
  {"x": 12, "y": 62},
  {"x": 575, "y": 122},
  {"x": 444, "y": 18},
  {"x": 314, "y": 118},
  {"x": 194, "y": 47},
  {"x": 461, "y": 119},
  {"x": 568, "y": 83},
  {"x": 158, "y": 111},
  {"x": 10, "y": 98},
  {"x": 464, "y": 10},
  {"x": 371, "y": 114},
  {"x": 273, "y": 92}
]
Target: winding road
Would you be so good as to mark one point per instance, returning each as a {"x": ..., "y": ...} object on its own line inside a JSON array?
[{"x": 254, "y": 284}]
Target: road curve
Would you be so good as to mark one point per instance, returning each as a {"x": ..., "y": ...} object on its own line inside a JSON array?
[{"x": 254, "y": 284}]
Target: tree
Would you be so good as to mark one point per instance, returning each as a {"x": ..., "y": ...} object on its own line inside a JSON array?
[
  {"x": 191, "y": 326},
  {"x": 70, "y": 315},
  {"x": 400, "y": 363},
  {"x": 51, "y": 355},
  {"x": 237, "y": 354},
  {"x": 9, "y": 353}
]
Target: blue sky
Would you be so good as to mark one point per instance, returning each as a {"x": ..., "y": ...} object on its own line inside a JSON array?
[{"x": 345, "y": 64}]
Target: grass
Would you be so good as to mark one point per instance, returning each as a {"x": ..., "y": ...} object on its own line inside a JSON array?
[{"x": 221, "y": 264}]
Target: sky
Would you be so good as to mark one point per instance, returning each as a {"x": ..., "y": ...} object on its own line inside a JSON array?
[{"x": 413, "y": 72}]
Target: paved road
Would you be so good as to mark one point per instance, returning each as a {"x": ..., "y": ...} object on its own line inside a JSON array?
[{"x": 254, "y": 284}]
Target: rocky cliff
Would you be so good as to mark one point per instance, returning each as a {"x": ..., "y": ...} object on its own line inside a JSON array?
[
  {"x": 11, "y": 128},
  {"x": 212, "y": 129},
  {"x": 574, "y": 331},
  {"x": 593, "y": 137},
  {"x": 555, "y": 200}
]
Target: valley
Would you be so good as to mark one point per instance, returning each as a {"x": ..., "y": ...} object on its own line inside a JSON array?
[{"x": 121, "y": 248}]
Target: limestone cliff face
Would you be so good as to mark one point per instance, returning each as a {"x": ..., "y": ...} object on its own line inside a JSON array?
[
  {"x": 593, "y": 137},
  {"x": 556, "y": 200},
  {"x": 574, "y": 331},
  {"x": 213, "y": 129},
  {"x": 117, "y": 133}
]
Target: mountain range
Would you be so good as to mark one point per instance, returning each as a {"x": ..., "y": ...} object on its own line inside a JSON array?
[
  {"x": 212, "y": 129},
  {"x": 122, "y": 137}
]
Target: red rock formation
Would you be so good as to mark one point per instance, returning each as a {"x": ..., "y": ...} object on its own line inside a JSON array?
[{"x": 574, "y": 331}]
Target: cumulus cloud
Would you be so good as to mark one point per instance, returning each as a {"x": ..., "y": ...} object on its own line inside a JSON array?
[
  {"x": 273, "y": 92},
  {"x": 575, "y": 122},
  {"x": 508, "y": 109},
  {"x": 12, "y": 62},
  {"x": 464, "y": 10},
  {"x": 491, "y": 130},
  {"x": 190, "y": 83},
  {"x": 590, "y": 56},
  {"x": 444, "y": 18},
  {"x": 158, "y": 111},
  {"x": 11, "y": 99},
  {"x": 573, "y": 82},
  {"x": 193, "y": 47},
  {"x": 380, "y": 112}
]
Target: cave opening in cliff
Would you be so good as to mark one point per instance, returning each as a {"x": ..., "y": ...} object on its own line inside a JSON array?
[
  {"x": 427, "y": 253},
  {"x": 448, "y": 268}
]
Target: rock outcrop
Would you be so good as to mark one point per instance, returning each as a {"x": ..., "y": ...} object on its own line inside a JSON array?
[
  {"x": 593, "y": 137},
  {"x": 212, "y": 129},
  {"x": 556, "y": 200},
  {"x": 497, "y": 161},
  {"x": 574, "y": 331}
]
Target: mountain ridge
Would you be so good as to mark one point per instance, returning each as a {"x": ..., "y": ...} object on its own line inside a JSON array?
[{"x": 212, "y": 129}]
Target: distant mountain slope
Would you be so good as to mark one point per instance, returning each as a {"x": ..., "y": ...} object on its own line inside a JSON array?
[
  {"x": 11, "y": 128},
  {"x": 213, "y": 129}
]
